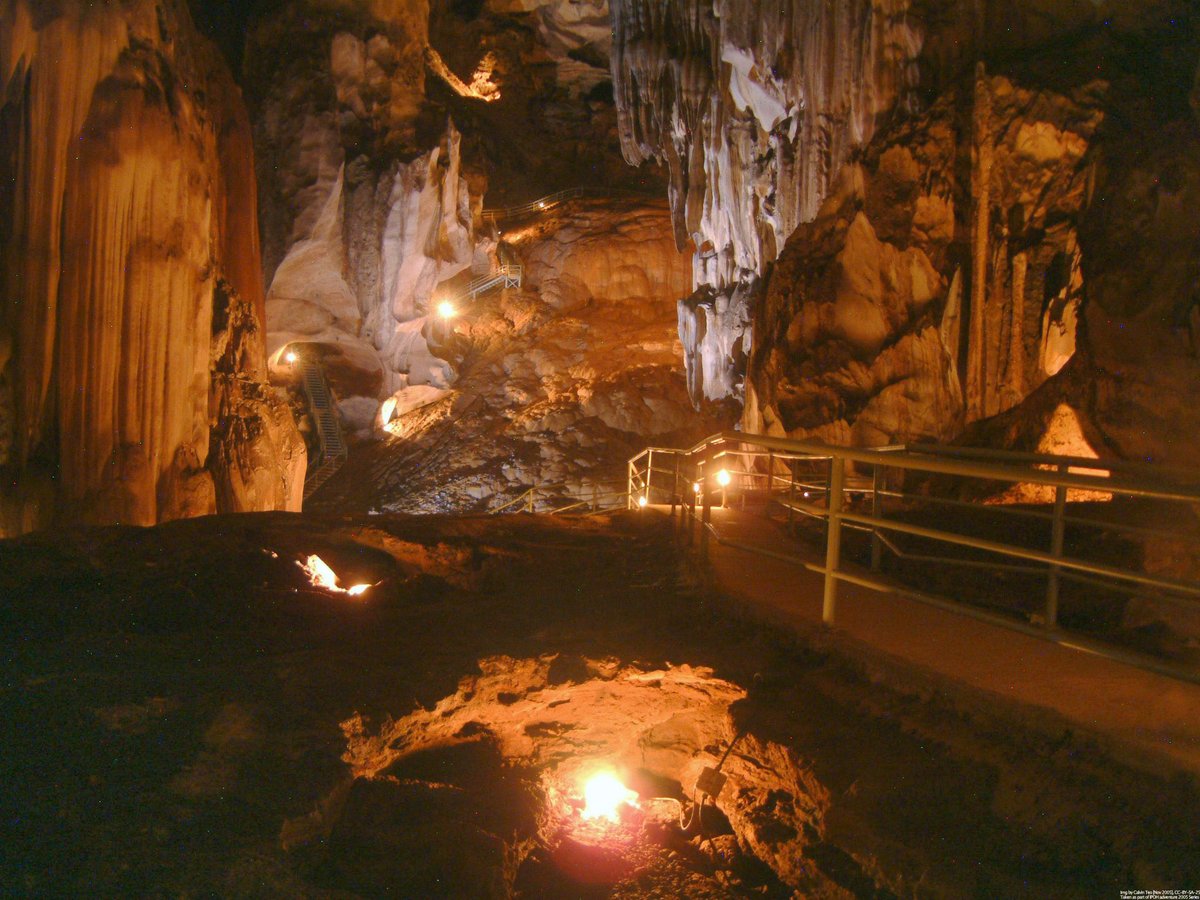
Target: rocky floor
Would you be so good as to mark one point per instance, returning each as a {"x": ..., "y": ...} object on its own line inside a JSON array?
[{"x": 186, "y": 713}]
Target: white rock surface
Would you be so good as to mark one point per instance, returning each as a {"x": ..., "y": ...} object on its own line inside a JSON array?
[{"x": 368, "y": 241}]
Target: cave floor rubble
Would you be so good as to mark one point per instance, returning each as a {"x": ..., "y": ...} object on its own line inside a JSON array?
[{"x": 188, "y": 713}]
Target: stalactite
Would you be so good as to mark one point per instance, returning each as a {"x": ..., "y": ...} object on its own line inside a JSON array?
[{"x": 753, "y": 107}]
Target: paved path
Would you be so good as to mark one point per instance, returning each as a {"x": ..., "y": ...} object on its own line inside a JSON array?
[{"x": 1152, "y": 719}]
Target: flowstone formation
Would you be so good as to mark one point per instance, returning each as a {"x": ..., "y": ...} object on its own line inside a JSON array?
[
  {"x": 379, "y": 135},
  {"x": 368, "y": 210},
  {"x": 556, "y": 384},
  {"x": 131, "y": 370},
  {"x": 752, "y": 107},
  {"x": 909, "y": 219}
]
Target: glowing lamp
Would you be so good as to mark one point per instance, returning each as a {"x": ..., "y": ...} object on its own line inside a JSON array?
[
  {"x": 320, "y": 575},
  {"x": 386, "y": 410},
  {"x": 603, "y": 795},
  {"x": 446, "y": 309},
  {"x": 696, "y": 488},
  {"x": 723, "y": 478},
  {"x": 291, "y": 357},
  {"x": 642, "y": 501}
]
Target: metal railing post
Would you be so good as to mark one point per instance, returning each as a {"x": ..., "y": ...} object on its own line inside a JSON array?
[
  {"x": 689, "y": 519},
  {"x": 649, "y": 472},
  {"x": 792, "y": 495},
  {"x": 833, "y": 540},
  {"x": 675, "y": 487},
  {"x": 876, "y": 508},
  {"x": 694, "y": 500},
  {"x": 707, "y": 499},
  {"x": 770, "y": 479},
  {"x": 529, "y": 501},
  {"x": 1057, "y": 531},
  {"x": 629, "y": 490}
]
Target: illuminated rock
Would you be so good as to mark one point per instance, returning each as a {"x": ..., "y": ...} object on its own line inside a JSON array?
[
  {"x": 566, "y": 378},
  {"x": 132, "y": 208},
  {"x": 1002, "y": 195},
  {"x": 862, "y": 327},
  {"x": 364, "y": 223}
]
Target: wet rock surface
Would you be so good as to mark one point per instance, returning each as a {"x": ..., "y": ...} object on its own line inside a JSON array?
[{"x": 189, "y": 714}]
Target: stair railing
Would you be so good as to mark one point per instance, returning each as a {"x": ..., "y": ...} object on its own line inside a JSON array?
[{"x": 331, "y": 448}]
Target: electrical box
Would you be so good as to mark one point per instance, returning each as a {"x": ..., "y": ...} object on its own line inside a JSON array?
[{"x": 711, "y": 782}]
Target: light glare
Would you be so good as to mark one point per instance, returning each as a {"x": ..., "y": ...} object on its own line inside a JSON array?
[
  {"x": 603, "y": 794},
  {"x": 642, "y": 501},
  {"x": 323, "y": 577},
  {"x": 723, "y": 478},
  {"x": 446, "y": 309}
]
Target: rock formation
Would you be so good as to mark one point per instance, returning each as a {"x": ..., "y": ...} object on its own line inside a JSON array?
[
  {"x": 370, "y": 211},
  {"x": 555, "y": 385},
  {"x": 863, "y": 330},
  {"x": 130, "y": 271},
  {"x": 951, "y": 224},
  {"x": 375, "y": 193},
  {"x": 752, "y": 107}
]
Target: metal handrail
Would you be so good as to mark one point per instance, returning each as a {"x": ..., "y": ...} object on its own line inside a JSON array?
[
  {"x": 331, "y": 447},
  {"x": 526, "y": 501},
  {"x": 1159, "y": 489},
  {"x": 551, "y": 200},
  {"x": 508, "y": 212},
  {"x": 1046, "y": 459},
  {"x": 502, "y": 276},
  {"x": 696, "y": 466}
]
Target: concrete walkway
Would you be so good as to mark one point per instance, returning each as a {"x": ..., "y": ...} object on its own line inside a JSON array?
[{"x": 1151, "y": 720}]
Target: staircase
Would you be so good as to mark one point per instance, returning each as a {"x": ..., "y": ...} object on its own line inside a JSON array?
[
  {"x": 501, "y": 276},
  {"x": 543, "y": 204},
  {"x": 331, "y": 451}
]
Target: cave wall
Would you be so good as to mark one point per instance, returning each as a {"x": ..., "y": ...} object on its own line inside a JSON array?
[
  {"x": 865, "y": 334},
  {"x": 930, "y": 220},
  {"x": 132, "y": 303},
  {"x": 367, "y": 209},
  {"x": 379, "y": 131}
]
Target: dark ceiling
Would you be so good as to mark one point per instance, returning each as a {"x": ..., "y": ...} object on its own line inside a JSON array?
[{"x": 227, "y": 21}]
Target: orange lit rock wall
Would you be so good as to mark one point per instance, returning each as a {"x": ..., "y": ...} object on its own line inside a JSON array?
[{"x": 130, "y": 213}]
